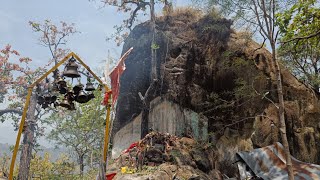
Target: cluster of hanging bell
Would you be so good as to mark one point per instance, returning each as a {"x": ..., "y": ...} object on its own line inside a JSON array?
[
  {"x": 46, "y": 99},
  {"x": 77, "y": 93}
]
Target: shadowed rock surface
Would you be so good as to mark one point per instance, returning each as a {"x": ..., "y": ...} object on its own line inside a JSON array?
[{"x": 222, "y": 82}]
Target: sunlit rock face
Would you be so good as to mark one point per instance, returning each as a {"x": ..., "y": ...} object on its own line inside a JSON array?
[{"x": 218, "y": 83}]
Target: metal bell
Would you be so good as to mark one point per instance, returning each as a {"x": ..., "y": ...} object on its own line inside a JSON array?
[
  {"x": 70, "y": 95},
  {"x": 47, "y": 98},
  {"x": 61, "y": 82},
  {"x": 40, "y": 100},
  {"x": 77, "y": 88},
  {"x": 89, "y": 86},
  {"x": 71, "y": 69},
  {"x": 53, "y": 99},
  {"x": 63, "y": 90},
  {"x": 91, "y": 96},
  {"x": 82, "y": 97},
  {"x": 65, "y": 103}
]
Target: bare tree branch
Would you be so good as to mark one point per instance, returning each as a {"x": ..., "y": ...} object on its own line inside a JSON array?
[
  {"x": 264, "y": 96},
  {"x": 264, "y": 41},
  {"x": 303, "y": 37},
  {"x": 15, "y": 111},
  {"x": 256, "y": 12},
  {"x": 266, "y": 16},
  {"x": 140, "y": 5}
]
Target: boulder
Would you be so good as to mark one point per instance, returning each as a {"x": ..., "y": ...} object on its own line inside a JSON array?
[{"x": 214, "y": 80}]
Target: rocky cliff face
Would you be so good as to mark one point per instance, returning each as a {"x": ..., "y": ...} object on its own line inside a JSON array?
[{"x": 215, "y": 84}]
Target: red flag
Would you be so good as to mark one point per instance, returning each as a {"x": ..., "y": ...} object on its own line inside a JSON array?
[
  {"x": 106, "y": 98},
  {"x": 115, "y": 76}
]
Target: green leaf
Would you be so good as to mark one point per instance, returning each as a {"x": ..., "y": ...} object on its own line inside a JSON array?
[{"x": 154, "y": 46}]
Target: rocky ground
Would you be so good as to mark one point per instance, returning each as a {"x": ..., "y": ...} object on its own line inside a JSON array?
[{"x": 164, "y": 156}]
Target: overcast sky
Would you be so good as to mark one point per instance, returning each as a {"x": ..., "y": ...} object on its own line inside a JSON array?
[{"x": 94, "y": 22}]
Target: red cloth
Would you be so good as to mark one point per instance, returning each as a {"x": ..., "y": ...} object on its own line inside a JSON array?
[
  {"x": 115, "y": 76},
  {"x": 131, "y": 146},
  {"x": 106, "y": 98},
  {"x": 110, "y": 176},
  {"x": 115, "y": 80}
]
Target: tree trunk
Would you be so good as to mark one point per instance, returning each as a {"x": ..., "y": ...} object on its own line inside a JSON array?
[
  {"x": 81, "y": 158},
  {"x": 144, "y": 120},
  {"x": 281, "y": 114},
  {"x": 152, "y": 14},
  {"x": 148, "y": 96},
  {"x": 316, "y": 72},
  {"x": 102, "y": 167},
  {"x": 28, "y": 140},
  {"x": 153, "y": 43},
  {"x": 91, "y": 159},
  {"x": 153, "y": 76}
]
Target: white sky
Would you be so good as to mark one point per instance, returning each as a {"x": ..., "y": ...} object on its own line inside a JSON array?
[{"x": 94, "y": 23}]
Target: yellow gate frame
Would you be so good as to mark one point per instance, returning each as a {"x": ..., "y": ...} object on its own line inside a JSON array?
[{"x": 24, "y": 114}]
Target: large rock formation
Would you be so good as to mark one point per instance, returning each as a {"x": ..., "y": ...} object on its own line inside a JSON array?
[{"x": 215, "y": 84}]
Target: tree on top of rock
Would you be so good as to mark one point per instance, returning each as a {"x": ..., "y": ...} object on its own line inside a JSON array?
[{"x": 134, "y": 7}]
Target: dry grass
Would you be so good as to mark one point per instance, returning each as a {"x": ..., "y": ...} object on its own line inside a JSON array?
[
  {"x": 189, "y": 11},
  {"x": 185, "y": 14}
]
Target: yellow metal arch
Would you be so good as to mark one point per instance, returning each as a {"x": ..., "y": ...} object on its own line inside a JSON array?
[{"x": 25, "y": 109}]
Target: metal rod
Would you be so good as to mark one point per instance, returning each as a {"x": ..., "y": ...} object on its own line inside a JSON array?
[{"x": 106, "y": 136}]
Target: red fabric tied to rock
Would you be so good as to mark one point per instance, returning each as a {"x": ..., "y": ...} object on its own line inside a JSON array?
[
  {"x": 115, "y": 80},
  {"x": 115, "y": 76},
  {"x": 131, "y": 146},
  {"x": 106, "y": 98},
  {"x": 110, "y": 176}
]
